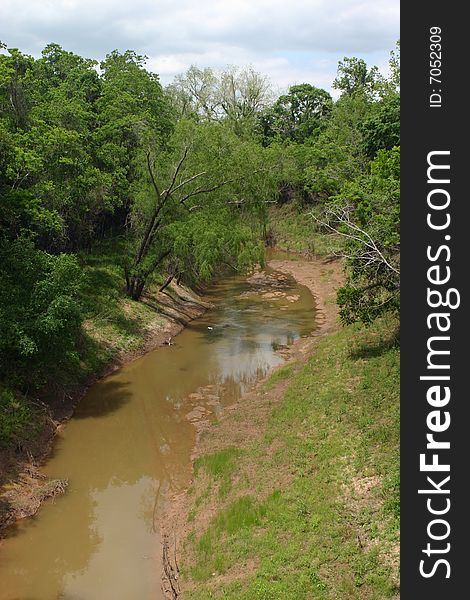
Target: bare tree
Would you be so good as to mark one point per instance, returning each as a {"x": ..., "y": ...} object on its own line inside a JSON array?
[
  {"x": 233, "y": 93},
  {"x": 370, "y": 253},
  {"x": 196, "y": 91},
  {"x": 243, "y": 93}
]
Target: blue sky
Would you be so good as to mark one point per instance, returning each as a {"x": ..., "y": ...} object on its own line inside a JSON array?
[{"x": 292, "y": 41}]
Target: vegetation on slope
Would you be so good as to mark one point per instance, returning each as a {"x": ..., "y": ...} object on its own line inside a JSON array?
[
  {"x": 111, "y": 186},
  {"x": 315, "y": 509}
]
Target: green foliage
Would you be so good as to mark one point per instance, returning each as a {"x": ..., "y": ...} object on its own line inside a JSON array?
[
  {"x": 16, "y": 417},
  {"x": 71, "y": 141},
  {"x": 355, "y": 78},
  {"x": 297, "y": 115},
  {"x": 327, "y": 529},
  {"x": 39, "y": 313},
  {"x": 382, "y": 129},
  {"x": 200, "y": 203},
  {"x": 367, "y": 215},
  {"x": 338, "y": 155},
  {"x": 73, "y": 136}
]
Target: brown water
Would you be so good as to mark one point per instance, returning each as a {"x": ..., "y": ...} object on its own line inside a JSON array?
[{"x": 130, "y": 441}]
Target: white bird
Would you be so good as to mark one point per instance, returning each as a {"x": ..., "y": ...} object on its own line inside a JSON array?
[{"x": 211, "y": 328}]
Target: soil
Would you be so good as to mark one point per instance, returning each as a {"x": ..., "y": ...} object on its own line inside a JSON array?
[
  {"x": 246, "y": 419},
  {"x": 24, "y": 488}
]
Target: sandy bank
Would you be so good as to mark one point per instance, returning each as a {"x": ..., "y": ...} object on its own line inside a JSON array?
[
  {"x": 246, "y": 419},
  {"x": 24, "y": 487}
]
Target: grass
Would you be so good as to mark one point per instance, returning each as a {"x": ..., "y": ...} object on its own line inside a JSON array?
[
  {"x": 279, "y": 374},
  {"x": 220, "y": 465},
  {"x": 294, "y": 230},
  {"x": 114, "y": 324},
  {"x": 319, "y": 517}
]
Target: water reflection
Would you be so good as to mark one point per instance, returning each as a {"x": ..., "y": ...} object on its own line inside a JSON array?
[{"x": 130, "y": 441}]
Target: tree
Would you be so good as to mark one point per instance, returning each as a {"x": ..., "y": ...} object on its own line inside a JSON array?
[
  {"x": 394, "y": 66},
  {"x": 382, "y": 129},
  {"x": 337, "y": 155},
  {"x": 133, "y": 113},
  {"x": 297, "y": 115},
  {"x": 39, "y": 314},
  {"x": 195, "y": 203},
  {"x": 75, "y": 137},
  {"x": 194, "y": 94},
  {"x": 242, "y": 94},
  {"x": 51, "y": 155},
  {"x": 15, "y": 87},
  {"x": 234, "y": 95},
  {"x": 354, "y": 77},
  {"x": 366, "y": 214}
]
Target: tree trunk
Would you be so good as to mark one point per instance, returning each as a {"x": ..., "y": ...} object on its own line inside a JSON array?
[
  {"x": 167, "y": 283},
  {"x": 135, "y": 286}
]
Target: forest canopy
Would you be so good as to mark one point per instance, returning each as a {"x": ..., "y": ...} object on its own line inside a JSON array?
[{"x": 183, "y": 177}]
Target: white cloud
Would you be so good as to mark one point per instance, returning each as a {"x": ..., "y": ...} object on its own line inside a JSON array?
[{"x": 298, "y": 40}]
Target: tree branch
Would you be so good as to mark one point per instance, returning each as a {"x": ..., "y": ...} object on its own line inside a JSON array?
[
  {"x": 154, "y": 183},
  {"x": 373, "y": 254},
  {"x": 186, "y": 181},
  {"x": 205, "y": 190},
  {"x": 168, "y": 191}
]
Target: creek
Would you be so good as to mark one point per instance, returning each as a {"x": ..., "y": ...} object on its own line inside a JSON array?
[{"x": 129, "y": 446}]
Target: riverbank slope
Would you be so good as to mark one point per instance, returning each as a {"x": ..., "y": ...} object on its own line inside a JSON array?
[
  {"x": 116, "y": 331},
  {"x": 295, "y": 491}
]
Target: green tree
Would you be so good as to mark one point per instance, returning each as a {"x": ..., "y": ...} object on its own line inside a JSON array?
[
  {"x": 39, "y": 314},
  {"x": 366, "y": 214},
  {"x": 338, "y": 154},
  {"x": 297, "y": 115},
  {"x": 354, "y": 77},
  {"x": 197, "y": 204},
  {"x": 382, "y": 129},
  {"x": 51, "y": 154}
]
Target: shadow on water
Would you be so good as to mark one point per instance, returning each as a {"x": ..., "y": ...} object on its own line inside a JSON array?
[
  {"x": 6, "y": 508},
  {"x": 108, "y": 397},
  {"x": 138, "y": 440},
  {"x": 15, "y": 528}
]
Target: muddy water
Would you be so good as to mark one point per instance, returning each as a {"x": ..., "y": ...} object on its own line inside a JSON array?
[{"x": 130, "y": 441}]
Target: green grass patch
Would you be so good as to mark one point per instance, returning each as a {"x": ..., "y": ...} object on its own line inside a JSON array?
[
  {"x": 295, "y": 230},
  {"x": 241, "y": 515},
  {"x": 279, "y": 375},
  {"x": 220, "y": 465},
  {"x": 114, "y": 323},
  {"x": 330, "y": 530}
]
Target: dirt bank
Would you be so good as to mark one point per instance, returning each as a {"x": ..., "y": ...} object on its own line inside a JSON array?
[
  {"x": 246, "y": 419},
  {"x": 24, "y": 488}
]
